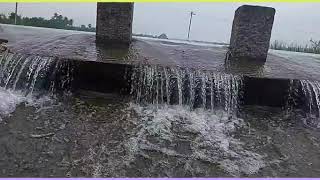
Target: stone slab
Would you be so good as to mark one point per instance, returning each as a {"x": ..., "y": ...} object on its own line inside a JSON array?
[
  {"x": 114, "y": 23},
  {"x": 251, "y": 32}
]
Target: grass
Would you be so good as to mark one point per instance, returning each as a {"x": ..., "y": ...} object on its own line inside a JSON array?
[{"x": 313, "y": 47}]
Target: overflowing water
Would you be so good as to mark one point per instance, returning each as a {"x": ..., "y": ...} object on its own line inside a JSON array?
[
  {"x": 180, "y": 124},
  {"x": 23, "y": 78},
  {"x": 183, "y": 122},
  {"x": 305, "y": 95},
  {"x": 311, "y": 100},
  {"x": 311, "y": 92},
  {"x": 186, "y": 87},
  {"x": 19, "y": 71},
  {"x": 187, "y": 130},
  {"x": 27, "y": 73},
  {"x": 150, "y": 84}
]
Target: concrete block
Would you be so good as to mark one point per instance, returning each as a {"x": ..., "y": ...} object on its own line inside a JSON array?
[
  {"x": 114, "y": 23},
  {"x": 251, "y": 32}
]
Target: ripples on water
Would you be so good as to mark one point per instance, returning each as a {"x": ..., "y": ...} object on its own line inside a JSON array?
[
  {"x": 174, "y": 131},
  {"x": 182, "y": 120}
]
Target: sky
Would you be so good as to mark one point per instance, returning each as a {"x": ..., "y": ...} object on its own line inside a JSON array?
[{"x": 294, "y": 22}]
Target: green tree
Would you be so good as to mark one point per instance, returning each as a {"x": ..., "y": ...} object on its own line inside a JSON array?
[{"x": 56, "y": 21}]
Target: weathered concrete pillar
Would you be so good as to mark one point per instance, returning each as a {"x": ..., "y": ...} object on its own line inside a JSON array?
[
  {"x": 114, "y": 23},
  {"x": 251, "y": 32}
]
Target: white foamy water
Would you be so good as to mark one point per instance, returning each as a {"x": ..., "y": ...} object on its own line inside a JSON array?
[
  {"x": 9, "y": 101},
  {"x": 23, "y": 77},
  {"x": 197, "y": 135}
]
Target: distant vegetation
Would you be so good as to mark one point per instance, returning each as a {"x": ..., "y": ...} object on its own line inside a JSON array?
[
  {"x": 313, "y": 47},
  {"x": 56, "y": 21},
  {"x": 161, "y": 36}
]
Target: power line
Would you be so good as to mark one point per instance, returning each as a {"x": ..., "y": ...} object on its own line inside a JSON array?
[
  {"x": 16, "y": 15},
  {"x": 191, "y": 14}
]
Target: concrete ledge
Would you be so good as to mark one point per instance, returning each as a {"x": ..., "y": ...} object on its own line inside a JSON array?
[
  {"x": 102, "y": 77},
  {"x": 265, "y": 91},
  {"x": 115, "y": 78}
]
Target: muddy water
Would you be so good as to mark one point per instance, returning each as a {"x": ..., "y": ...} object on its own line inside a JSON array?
[
  {"x": 105, "y": 135},
  {"x": 94, "y": 135}
]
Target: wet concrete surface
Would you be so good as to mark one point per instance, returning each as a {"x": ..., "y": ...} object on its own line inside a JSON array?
[
  {"x": 66, "y": 44},
  {"x": 102, "y": 135}
]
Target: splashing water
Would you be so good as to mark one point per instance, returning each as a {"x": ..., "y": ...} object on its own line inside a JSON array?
[
  {"x": 27, "y": 73},
  {"x": 9, "y": 101},
  {"x": 21, "y": 76},
  {"x": 175, "y": 141},
  {"x": 311, "y": 92},
  {"x": 311, "y": 96},
  {"x": 308, "y": 93},
  {"x": 188, "y": 87}
]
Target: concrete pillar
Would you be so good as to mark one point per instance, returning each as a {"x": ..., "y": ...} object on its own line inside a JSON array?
[
  {"x": 114, "y": 23},
  {"x": 251, "y": 32}
]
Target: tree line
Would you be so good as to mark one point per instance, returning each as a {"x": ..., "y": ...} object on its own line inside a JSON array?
[
  {"x": 312, "y": 47},
  {"x": 56, "y": 21}
]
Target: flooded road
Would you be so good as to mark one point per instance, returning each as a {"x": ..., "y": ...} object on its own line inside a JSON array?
[
  {"x": 183, "y": 117},
  {"x": 76, "y": 45}
]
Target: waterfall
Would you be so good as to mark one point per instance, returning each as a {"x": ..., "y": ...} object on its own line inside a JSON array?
[
  {"x": 188, "y": 87},
  {"x": 31, "y": 79},
  {"x": 311, "y": 95},
  {"x": 28, "y": 73},
  {"x": 305, "y": 95}
]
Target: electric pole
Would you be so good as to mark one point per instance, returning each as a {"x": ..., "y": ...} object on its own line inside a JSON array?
[
  {"x": 15, "y": 15},
  {"x": 191, "y": 14}
]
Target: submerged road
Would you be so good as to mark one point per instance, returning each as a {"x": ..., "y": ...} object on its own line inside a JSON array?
[{"x": 75, "y": 45}]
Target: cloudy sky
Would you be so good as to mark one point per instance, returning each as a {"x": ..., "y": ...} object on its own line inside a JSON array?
[{"x": 294, "y": 22}]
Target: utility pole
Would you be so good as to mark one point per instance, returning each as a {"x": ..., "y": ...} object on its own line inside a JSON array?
[
  {"x": 191, "y": 14},
  {"x": 15, "y": 15}
]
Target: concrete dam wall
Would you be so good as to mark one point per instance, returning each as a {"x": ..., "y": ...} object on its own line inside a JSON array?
[{"x": 104, "y": 68}]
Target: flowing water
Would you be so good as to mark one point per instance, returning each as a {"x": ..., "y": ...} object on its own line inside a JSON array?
[
  {"x": 22, "y": 75},
  {"x": 27, "y": 73},
  {"x": 306, "y": 93},
  {"x": 186, "y": 87},
  {"x": 311, "y": 92},
  {"x": 177, "y": 122}
]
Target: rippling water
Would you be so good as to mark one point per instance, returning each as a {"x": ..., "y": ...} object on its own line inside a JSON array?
[
  {"x": 149, "y": 134},
  {"x": 99, "y": 136}
]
